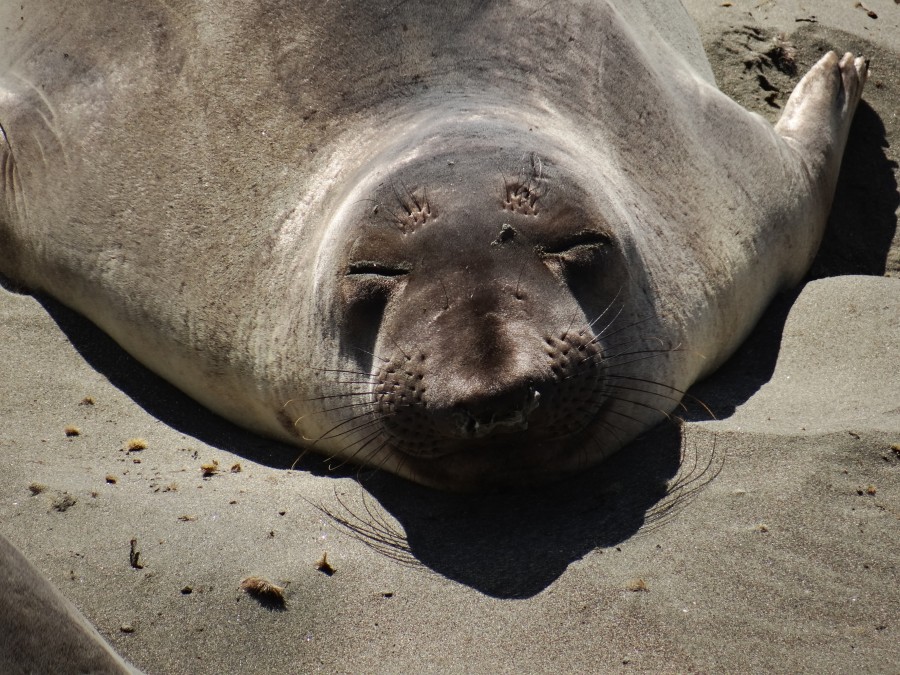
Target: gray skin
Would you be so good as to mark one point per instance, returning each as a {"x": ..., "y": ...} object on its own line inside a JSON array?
[
  {"x": 473, "y": 243},
  {"x": 42, "y": 631}
]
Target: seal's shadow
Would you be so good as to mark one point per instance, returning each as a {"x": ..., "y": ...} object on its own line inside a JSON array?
[
  {"x": 514, "y": 544},
  {"x": 863, "y": 220},
  {"x": 163, "y": 401}
]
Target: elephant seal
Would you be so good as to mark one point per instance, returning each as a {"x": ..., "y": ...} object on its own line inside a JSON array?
[
  {"x": 42, "y": 631},
  {"x": 472, "y": 243}
]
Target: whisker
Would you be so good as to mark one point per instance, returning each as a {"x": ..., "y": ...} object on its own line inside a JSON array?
[
  {"x": 642, "y": 405},
  {"x": 646, "y": 381},
  {"x": 340, "y": 407},
  {"x": 649, "y": 354},
  {"x": 303, "y": 453},
  {"x": 349, "y": 458},
  {"x": 644, "y": 391},
  {"x": 381, "y": 536},
  {"x": 603, "y": 334},
  {"x": 344, "y": 395},
  {"x": 327, "y": 437},
  {"x": 683, "y": 394},
  {"x": 372, "y": 354},
  {"x": 345, "y": 372},
  {"x": 606, "y": 309}
]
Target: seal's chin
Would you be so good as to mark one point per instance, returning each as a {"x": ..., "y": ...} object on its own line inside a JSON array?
[{"x": 500, "y": 460}]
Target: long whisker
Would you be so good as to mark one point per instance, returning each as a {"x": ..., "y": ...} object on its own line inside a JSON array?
[
  {"x": 606, "y": 309},
  {"x": 345, "y": 372},
  {"x": 340, "y": 407},
  {"x": 349, "y": 394}
]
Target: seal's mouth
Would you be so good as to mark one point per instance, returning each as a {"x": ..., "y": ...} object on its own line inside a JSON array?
[
  {"x": 501, "y": 460},
  {"x": 470, "y": 425}
]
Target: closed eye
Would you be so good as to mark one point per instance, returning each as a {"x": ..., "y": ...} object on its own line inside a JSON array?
[
  {"x": 370, "y": 267},
  {"x": 585, "y": 238}
]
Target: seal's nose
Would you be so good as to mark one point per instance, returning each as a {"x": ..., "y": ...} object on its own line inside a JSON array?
[{"x": 503, "y": 413}]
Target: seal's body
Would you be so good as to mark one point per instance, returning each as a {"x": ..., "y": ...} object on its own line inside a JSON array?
[
  {"x": 42, "y": 631},
  {"x": 468, "y": 242}
]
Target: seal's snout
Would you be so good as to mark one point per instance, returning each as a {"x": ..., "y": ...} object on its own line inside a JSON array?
[{"x": 505, "y": 413}]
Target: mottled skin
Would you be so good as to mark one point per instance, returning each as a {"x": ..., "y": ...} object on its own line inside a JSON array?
[{"x": 469, "y": 242}]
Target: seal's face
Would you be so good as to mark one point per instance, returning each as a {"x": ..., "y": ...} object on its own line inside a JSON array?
[{"x": 480, "y": 312}]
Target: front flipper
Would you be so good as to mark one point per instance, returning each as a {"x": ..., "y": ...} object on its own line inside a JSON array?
[{"x": 816, "y": 120}]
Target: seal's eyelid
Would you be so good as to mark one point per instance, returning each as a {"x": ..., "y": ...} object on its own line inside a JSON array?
[
  {"x": 364, "y": 267},
  {"x": 591, "y": 238}
]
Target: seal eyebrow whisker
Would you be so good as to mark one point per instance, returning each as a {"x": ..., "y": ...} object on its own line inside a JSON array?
[
  {"x": 371, "y": 200},
  {"x": 412, "y": 197},
  {"x": 399, "y": 198},
  {"x": 506, "y": 188},
  {"x": 377, "y": 210},
  {"x": 399, "y": 221}
]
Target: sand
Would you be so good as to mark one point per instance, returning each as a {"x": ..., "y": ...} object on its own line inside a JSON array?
[{"x": 772, "y": 547}]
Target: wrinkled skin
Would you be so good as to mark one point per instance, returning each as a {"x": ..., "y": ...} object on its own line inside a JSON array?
[{"x": 471, "y": 243}]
